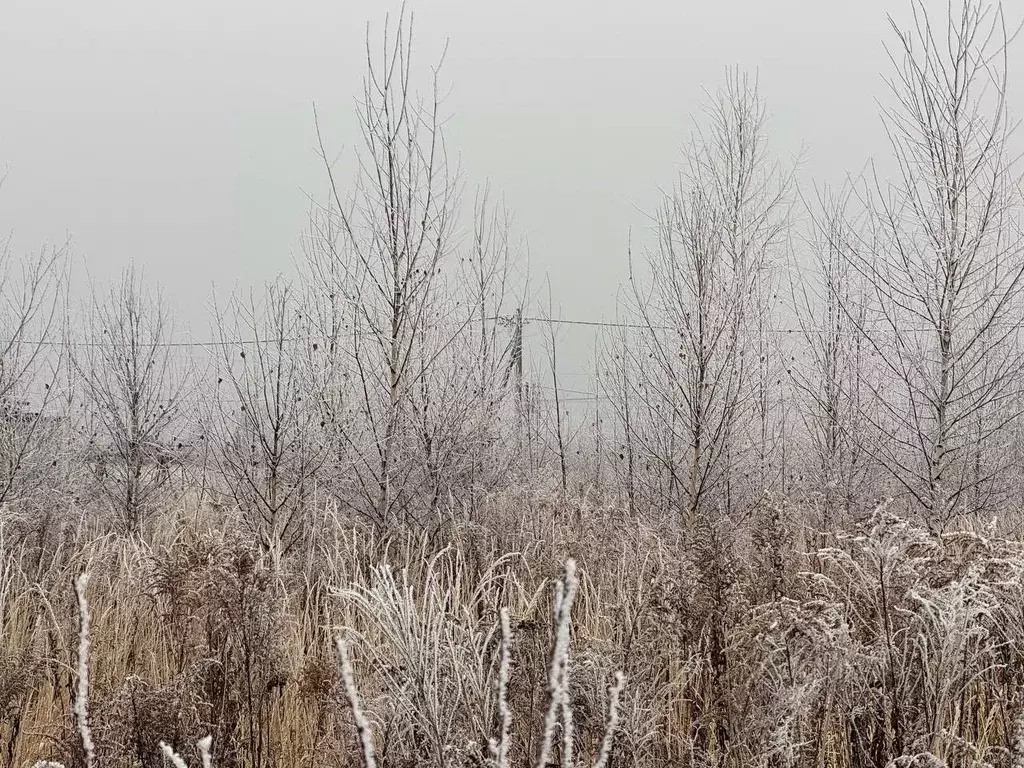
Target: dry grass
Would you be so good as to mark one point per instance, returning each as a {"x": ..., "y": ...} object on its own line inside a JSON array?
[{"x": 888, "y": 644}]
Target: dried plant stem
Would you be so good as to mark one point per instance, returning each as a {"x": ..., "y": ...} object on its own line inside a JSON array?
[
  {"x": 558, "y": 673},
  {"x": 613, "y": 721},
  {"x": 499, "y": 750},
  {"x": 205, "y": 746},
  {"x": 173, "y": 756},
  {"x": 82, "y": 696},
  {"x": 362, "y": 724}
]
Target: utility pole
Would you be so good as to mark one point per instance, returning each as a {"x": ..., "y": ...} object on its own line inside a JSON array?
[{"x": 517, "y": 353}]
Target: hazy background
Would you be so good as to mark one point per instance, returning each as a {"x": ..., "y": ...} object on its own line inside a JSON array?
[{"x": 180, "y": 134}]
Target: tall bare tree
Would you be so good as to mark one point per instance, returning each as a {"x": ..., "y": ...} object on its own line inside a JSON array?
[
  {"x": 947, "y": 266},
  {"x": 702, "y": 361},
  {"x": 717, "y": 231},
  {"x": 386, "y": 245}
]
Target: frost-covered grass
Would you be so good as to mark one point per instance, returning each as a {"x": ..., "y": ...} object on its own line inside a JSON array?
[
  {"x": 557, "y": 721},
  {"x": 479, "y": 646}
]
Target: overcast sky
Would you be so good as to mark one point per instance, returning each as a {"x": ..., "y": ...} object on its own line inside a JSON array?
[{"x": 180, "y": 134}]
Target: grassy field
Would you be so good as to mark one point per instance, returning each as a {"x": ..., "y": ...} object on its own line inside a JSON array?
[{"x": 885, "y": 644}]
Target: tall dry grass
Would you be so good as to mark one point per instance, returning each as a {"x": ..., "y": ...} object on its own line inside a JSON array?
[{"x": 886, "y": 644}]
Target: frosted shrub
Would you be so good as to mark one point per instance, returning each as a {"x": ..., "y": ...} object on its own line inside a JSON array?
[{"x": 434, "y": 694}]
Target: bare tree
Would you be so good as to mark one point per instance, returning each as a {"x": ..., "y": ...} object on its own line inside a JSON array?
[
  {"x": 268, "y": 442},
  {"x": 947, "y": 263},
  {"x": 464, "y": 405},
  {"x": 616, "y": 384},
  {"x": 834, "y": 364},
  {"x": 134, "y": 387},
  {"x": 493, "y": 284},
  {"x": 716, "y": 234},
  {"x": 32, "y": 360},
  {"x": 386, "y": 246},
  {"x": 701, "y": 360}
]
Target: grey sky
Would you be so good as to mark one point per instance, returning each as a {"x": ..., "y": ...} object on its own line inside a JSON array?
[{"x": 180, "y": 134}]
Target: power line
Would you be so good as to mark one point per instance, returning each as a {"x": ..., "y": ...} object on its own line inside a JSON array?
[
  {"x": 799, "y": 330},
  {"x": 564, "y": 389},
  {"x": 592, "y": 323},
  {"x": 215, "y": 344}
]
